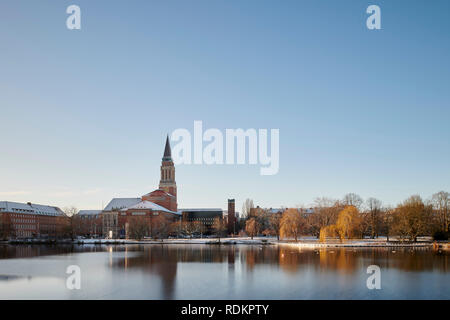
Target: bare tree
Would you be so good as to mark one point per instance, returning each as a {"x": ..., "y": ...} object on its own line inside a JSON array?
[
  {"x": 262, "y": 217},
  {"x": 411, "y": 218},
  {"x": 291, "y": 223},
  {"x": 192, "y": 228},
  {"x": 247, "y": 207},
  {"x": 73, "y": 227},
  {"x": 198, "y": 228},
  {"x": 373, "y": 216},
  {"x": 387, "y": 214},
  {"x": 326, "y": 211},
  {"x": 352, "y": 199},
  {"x": 219, "y": 227},
  {"x": 441, "y": 204},
  {"x": 70, "y": 211},
  {"x": 275, "y": 224},
  {"x": 138, "y": 227},
  {"x": 160, "y": 226},
  {"x": 177, "y": 228}
]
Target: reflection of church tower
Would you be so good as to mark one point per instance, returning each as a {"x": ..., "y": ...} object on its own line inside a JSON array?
[{"x": 167, "y": 182}]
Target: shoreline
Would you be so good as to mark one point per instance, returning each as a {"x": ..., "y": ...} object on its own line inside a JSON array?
[{"x": 239, "y": 241}]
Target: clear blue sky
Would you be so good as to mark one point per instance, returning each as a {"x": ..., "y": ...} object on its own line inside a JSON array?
[{"x": 84, "y": 114}]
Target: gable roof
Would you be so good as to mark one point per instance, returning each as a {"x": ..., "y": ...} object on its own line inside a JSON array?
[
  {"x": 121, "y": 203},
  {"x": 158, "y": 192},
  {"x": 149, "y": 205},
  {"x": 30, "y": 208},
  {"x": 89, "y": 212}
]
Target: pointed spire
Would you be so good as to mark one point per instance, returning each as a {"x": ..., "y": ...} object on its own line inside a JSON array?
[{"x": 167, "y": 150}]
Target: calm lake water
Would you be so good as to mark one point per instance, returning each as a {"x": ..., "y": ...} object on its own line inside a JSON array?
[{"x": 220, "y": 272}]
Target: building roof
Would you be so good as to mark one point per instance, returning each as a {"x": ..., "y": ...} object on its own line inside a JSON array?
[
  {"x": 89, "y": 212},
  {"x": 30, "y": 208},
  {"x": 200, "y": 209},
  {"x": 276, "y": 210},
  {"x": 157, "y": 193},
  {"x": 121, "y": 203},
  {"x": 167, "y": 152},
  {"x": 149, "y": 205}
]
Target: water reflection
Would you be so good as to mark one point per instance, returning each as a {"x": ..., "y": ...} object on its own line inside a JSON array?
[
  {"x": 11, "y": 278},
  {"x": 30, "y": 251},
  {"x": 237, "y": 271},
  {"x": 163, "y": 260}
]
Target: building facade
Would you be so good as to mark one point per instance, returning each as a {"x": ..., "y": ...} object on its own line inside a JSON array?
[
  {"x": 154, "y": 209},
  {"x": 231, "y": 217},
  {"x": 204, "y": 215},
  {"x": 88, "y": 223},
  {"x": 167, "y": 182},
  {"x": 29, "y": 220}
]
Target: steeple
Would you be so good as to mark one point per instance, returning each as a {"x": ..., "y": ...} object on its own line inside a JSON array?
[
  {"x": 167, "y": 151},
  {"x": 167, "y": 182}
]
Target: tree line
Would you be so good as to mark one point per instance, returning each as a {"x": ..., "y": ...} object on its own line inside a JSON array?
[{"x": 352, "y": 217}]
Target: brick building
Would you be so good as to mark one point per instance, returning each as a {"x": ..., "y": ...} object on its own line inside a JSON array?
[
  {"x": 119, "y": 213},
  {"x": 204, "y": 215},
  {"x": 29, "y": 220},
  {"x": 158, "y": 206},
  {"x": 231, "y": 217},
  {"x": 89, "y": 223},
  {"x": 153, "y": 207}
]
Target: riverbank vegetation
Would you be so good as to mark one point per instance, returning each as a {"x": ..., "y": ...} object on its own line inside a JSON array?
[{"x": 354, "y": 218}]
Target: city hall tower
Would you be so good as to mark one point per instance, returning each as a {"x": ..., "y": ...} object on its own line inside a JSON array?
[{"x": 167, "y": 182}]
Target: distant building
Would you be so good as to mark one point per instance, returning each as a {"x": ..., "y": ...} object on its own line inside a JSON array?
[
  {"x": 89, "y": 223},
  {"x": 307, "y": 211},
  {"x": 204, "y": 215},
  {"x": 116, "y": 216},
  {"x": 167, "y": 182},
  {"x": 26, "y": 220},
  {"x": 304, "y": 211},
  {"x": 111, "y": 227},
  {"x": 160, "y": 203},
  {"x": 116, "y": 222},
  {"x": 231, "y": 217}
]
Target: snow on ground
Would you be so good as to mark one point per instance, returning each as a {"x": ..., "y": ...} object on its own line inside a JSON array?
[
  {"x": 361, "y": 243},
  {"x": 176, "y": 241},
  {"x": 303, "y": 242}
]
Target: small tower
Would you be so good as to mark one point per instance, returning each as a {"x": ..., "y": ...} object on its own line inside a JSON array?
[
  {"x": 231, "y": 216},
  {"x": 167, "y": 182}
]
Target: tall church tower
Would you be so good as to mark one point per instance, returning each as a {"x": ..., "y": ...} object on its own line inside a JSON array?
[{"x": 167, "y": 182}]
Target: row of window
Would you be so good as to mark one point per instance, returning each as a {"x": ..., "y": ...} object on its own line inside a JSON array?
[
  {"x": 18, "y": 220},
  {"x": 22, "y": 226},
  {"x": 140, "y": 213},
  {"x": 21, "y": 234},
  {"x": 23, "y": 211}
]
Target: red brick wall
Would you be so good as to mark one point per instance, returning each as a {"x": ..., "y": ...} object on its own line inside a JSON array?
[
  {"x": 231, "y": 216},
  {"x": 22, "y": 225}
]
